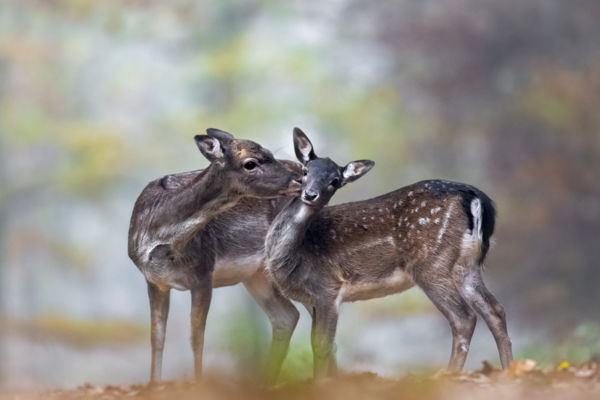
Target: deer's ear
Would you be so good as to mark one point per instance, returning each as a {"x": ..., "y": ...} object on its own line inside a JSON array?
[
  {"x": 210, "y": 147},
  {"x": 355, "y": 170},
  {"x": 303, "y": 147},
  {"x": 224, "y": 137}
]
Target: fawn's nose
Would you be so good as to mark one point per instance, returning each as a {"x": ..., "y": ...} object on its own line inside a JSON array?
[{"x": 309, "y": 195}]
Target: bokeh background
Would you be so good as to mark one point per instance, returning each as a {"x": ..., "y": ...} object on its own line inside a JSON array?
[{"x": 98, "y": 98}]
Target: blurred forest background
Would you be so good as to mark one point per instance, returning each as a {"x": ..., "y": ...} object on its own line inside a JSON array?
[{"x": 98, "y": 98}]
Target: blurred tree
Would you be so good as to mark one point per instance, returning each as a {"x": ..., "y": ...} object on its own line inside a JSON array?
[{"x": 511, "y": 86}]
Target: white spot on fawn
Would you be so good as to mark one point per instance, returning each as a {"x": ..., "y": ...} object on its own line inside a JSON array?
[
  {"x": 410, "y": 193},
  {"x": 437, "y": 220},
  {"x": 435, "y": 210},
  {"x": 445, "y": 224},
  {"x": 423, "y": 203},
  {"x": 423, "y": 221}
]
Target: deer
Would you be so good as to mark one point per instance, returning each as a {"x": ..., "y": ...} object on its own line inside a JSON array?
[
  {"x": 434, "y": 234},
  {"x": 206, "y": 228}
]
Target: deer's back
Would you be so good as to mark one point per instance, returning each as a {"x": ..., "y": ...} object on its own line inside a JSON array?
[
  {"x": 373, "y": 247},
  {"x": 232, "y": 242},
  {"x": 147, "y": 209}
]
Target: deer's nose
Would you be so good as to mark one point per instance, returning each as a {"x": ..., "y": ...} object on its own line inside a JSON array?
[{"x": 309, "y": 195}]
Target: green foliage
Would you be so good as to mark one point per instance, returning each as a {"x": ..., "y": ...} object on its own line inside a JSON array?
[
  {"x": 93, "y": 159},
  {"x": 581, "y": 345},
  {"x": 77, "y": 332},
  {"x": 410, "y": 302},
  {"x": 244, "y": 335},
  {"x": 298, "y": 364}
]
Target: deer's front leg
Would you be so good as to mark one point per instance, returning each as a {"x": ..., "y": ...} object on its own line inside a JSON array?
[
  {"x": 201, "y": 296},
  {"x": 283, "y": 317},
  {"x": 325, "y": 317},
  {"x": 159, "y": 311}
]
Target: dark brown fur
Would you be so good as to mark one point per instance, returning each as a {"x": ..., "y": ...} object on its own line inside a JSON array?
[
  {"x": 433, "y": 234},
  {"x": 184, "y": 225}
]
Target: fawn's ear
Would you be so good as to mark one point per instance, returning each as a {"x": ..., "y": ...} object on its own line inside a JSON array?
[
  {"x": 355, "y": 170},
  {"x": 303, "y": 147},
  {"x": 224, "y": 137},
  {"x": 210, "y": 147}
]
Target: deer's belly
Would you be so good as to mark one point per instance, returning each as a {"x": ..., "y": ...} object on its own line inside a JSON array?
[
  {"x": 397, "y": 282},
  {"x": 230, "y": 271}
]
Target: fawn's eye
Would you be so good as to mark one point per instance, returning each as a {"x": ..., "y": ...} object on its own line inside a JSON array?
[
  {"x": 335, "y": 182},
  {"x": 305, "y": 172},
  {"x": 249, "y": 165}
]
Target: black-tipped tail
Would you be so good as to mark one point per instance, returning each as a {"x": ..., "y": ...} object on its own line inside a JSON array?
[{"x": 488, "y": 216}]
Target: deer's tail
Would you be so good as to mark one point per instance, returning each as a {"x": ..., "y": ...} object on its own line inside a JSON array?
[{"x": 481, "y": 214}]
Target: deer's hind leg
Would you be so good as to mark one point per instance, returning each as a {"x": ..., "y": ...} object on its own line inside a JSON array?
[
  {"x": 469, "y": 281},
  {"x": 440, "y": 288}
]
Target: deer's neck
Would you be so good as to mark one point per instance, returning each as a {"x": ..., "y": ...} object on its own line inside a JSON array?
[
  {"x": 285, "y": 238},
  {"x": 187, "y": 211}
]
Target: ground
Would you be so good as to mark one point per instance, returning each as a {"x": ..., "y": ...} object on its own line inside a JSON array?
[{"x": 521, "y": 380}]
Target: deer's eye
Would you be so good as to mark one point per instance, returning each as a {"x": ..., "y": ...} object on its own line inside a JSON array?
[
  {"x": 305, "y": 172},
  {"x": 335, "y": 182},
  {"x": 249, "y": 165}
]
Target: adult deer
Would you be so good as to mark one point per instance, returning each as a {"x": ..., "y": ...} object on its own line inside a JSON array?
[
  {"x": 434, "y": 234},
  {"x": 176, "y": 241}
]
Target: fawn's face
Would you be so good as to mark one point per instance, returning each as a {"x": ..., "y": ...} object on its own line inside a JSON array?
[
  {"x": 248, "y": 168},
  {"x": 322, "y": 176}
]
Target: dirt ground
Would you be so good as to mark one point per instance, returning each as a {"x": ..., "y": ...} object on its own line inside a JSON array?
[{"x": 521, "y": 381}]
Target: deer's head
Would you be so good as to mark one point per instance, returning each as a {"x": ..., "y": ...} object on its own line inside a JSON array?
[
  {"x": 322, "y": 176},
  {"x": 247, "y": 168}
]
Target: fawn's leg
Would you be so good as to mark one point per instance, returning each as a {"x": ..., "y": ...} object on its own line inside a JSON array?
[
  {"x": 475, "y": 293},
  {"x": 325, "y": 318},
  {"x": 445, "y": 296}
]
